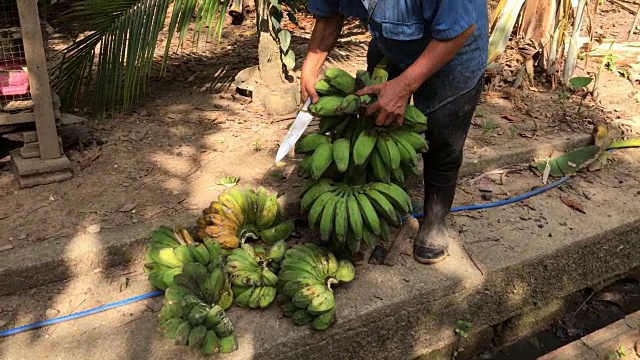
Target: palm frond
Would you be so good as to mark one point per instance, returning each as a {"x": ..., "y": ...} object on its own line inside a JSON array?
[{"x": 112, "y": 65}]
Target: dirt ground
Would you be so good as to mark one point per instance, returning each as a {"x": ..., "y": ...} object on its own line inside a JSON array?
[{"x": 166, "y": 155}]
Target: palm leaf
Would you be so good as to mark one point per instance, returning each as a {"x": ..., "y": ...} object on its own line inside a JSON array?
[{"x": 117, "y": 55}]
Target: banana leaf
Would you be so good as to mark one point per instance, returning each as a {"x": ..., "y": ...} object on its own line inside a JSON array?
[
  {"x": 629, "y": 143},
  {"x": 506, "y": 20},
  {"x": 569, "y": 164}
]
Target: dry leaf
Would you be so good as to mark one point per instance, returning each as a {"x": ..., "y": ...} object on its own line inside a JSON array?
[
  {"x": 512, "y": 119},
  {"x": 484, "y": 185},
  {"x": 572, "y": 204}
]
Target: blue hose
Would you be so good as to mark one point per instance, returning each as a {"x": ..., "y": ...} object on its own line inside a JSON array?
[
  {"x": 80, "y": 314},
  {"x": 152, "y": 294}
]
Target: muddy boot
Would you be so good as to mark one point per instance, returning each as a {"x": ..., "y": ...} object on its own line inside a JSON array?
[{"x": 431, "y": 245}]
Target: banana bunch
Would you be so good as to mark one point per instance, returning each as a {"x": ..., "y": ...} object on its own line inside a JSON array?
[
  {"x": 307, "y": 274},
  {"x": 347, "y": 215},
  {"x": 194, "y": 307},
  {"x": 241, "y": 214},
  {"x": 168, "y": 250},
  {"x": 253, "y": 274}
]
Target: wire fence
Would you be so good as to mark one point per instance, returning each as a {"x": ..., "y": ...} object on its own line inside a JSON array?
[{"x": 14, "y": 79}]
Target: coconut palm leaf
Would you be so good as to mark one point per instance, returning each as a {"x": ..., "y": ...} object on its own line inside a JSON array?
[{"x": 117, "y": 55}]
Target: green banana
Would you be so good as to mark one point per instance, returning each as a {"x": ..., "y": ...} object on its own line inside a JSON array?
[
  {"x": 224, "y": 327},
  {"x": 318, "y": 206},
  {"x": 394, "y": 152},
  {"x": 214, "y": 316},
  {"x": 310, "y": 143},
  {"x": 379, "y": 76},
  {"x": 346, "y": 271},
  {"x": 418, "y": 142},
  {"x": 226, "y": 299},
  {"x": 267, "y": 295},
  {"x": 363, "y": 79},
  {"x": 324, "y": 301},
  {"x": 370, "y": 215},
  {"x": 169, "y": 327},
  {"x": 183, "y": 254},
  {"x": 198, "y": 314},
  {"x": 414, "y": 116},
  {"x": 254, "y": 299},
  {"x": 303, "y": 297},
  {"x": 211, "y": 343},
  {"x": 288, "y": 309},
  {"x": 379, "y": 167},
  {"x": 363, "y": 146},
  {"x": 341, "y": 220},
  {"x": 269, "y": 278},
  {"x": 182, "y": 333},
  {"x": 277, "y": 233},
  {"x": 330, "y": 123},
  {"x": 332, "y": 265},
  {"x": 353, "y": 242},
  {"x": 228, "y": 344},
  {"x": 355, "y": 217},
  {"x": 293, "y": 286},
  {"x": 408, "y": 154},
  {"x": 302, "y": 317},
  {"x": 313, "y": 194},
  {"x": 395, "y": 194},
  {"x": 321, "y": 159},
  {"x": 340, "y": 80},
  {"x": 324, "y": 320},
  {"x": 323, "y": 87},
  {"x": 196, "y": 336},
  {"x": 383, "y": 207},
  {"x": 269, "y": 213},
  {"x": 326, "y": 221},
  {"x": 214, "y": 248},
  {"x": 212, "y": 289},
  {"x": 328, "y": 105},
  {"x": 350, "y": 104},
  {"x": 241, "y": 295},
  {"x": 341, "y": 150},
  {"x": 277, "y": 251},
  {"x": 197, "y": 272}
]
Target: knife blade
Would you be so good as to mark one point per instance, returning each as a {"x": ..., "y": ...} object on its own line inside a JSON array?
[{"x": 295, "y": 131}]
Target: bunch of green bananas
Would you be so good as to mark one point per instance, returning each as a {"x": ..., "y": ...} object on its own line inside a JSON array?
[
  {"x": 307, "y": 274},
  {"x": 347, "y": 215},
  {"x": 241, "y": 214},
  {"x": 194, "y": 307},
  {"x": 167, "y": 251},
  {"x": 253, "y": 274}
]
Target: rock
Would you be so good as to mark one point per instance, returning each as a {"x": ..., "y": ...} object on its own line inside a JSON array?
[
  {"x": 281, "y": 101},
  {"x": 93, "y": 229},
  {"x": 127, "y": 207},
  {"x": 51, "y": 313},
  {"x": 6, "y": 247}
]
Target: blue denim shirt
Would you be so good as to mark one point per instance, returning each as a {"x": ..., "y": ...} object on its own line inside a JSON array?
[{"x": 403, "y": 28}]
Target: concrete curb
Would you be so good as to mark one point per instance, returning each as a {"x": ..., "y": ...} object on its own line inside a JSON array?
[{"x": 57, "y": 261}]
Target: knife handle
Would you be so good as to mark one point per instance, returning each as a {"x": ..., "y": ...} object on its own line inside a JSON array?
[{"x": 306, "y": 105}]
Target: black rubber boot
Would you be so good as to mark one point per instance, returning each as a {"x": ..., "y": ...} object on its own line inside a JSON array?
[{"x": 432, "y": 242}]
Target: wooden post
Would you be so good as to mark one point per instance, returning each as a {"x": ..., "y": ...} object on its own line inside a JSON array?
[{"x": 38, "y": 79}]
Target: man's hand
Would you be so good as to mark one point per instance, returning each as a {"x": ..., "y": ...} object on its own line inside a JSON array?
[
  {"x": 393, "y": 96},
  {"x": 308, "y": 81}
]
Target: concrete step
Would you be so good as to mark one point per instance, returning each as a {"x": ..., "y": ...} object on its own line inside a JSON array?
[
  {"x": 56, "y": 260},
  {"x": 504, "y": 260}
]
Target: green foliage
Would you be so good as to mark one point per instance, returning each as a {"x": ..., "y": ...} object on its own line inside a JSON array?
[
  {"x": 580, "y": 82},
  {"x": 462, "y": 328}
]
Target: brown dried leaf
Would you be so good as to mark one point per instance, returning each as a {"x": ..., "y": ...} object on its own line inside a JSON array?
[
  {"x": 512, "y": 119},
  {"x": 572, "y": 204}
]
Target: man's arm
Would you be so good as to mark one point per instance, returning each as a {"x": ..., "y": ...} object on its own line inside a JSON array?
[
  {"x": 324, "y": 36},
  {"x": 437, "y": 54}
]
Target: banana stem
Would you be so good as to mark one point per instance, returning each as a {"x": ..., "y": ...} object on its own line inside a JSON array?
[{"x": 330, "y": 282}]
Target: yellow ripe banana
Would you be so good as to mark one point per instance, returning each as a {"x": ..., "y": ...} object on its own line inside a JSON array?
[
  {"x": 229, "y": 202},
  {"x": 228, "y": 241}
]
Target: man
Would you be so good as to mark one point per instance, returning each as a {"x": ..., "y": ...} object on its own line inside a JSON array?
[{"x": 437, "y": 54}]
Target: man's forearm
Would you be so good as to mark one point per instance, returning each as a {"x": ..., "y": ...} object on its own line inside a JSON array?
[
  {"x": 325, "y": 35},
  {"x": 433, "y": 58}
]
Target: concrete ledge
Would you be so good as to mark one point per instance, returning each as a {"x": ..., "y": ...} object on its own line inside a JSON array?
[{"x": 53, "y": 261}]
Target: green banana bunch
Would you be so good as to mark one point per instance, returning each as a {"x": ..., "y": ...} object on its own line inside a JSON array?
[
  {"x": 253, "y": 274},
  {"x": 193, "y": 312},
  {"x": 307, "y": 274},
  {"x": 167, "y": 251}
]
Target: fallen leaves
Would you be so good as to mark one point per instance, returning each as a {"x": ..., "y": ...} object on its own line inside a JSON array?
[
  {"x": 573, "y": 204},
  {"x": 512, "y": 119}
]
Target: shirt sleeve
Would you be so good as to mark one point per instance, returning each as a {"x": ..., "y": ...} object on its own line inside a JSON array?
[
  {"x": 323, "y": 8},
  {"x": 452, "y": 18}
]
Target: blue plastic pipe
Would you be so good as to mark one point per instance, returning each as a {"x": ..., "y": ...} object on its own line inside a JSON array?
[{"x": 152, "y": 294}]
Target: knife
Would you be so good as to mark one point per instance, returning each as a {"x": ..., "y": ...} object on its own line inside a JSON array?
[{"x": 295, "y": 131}]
